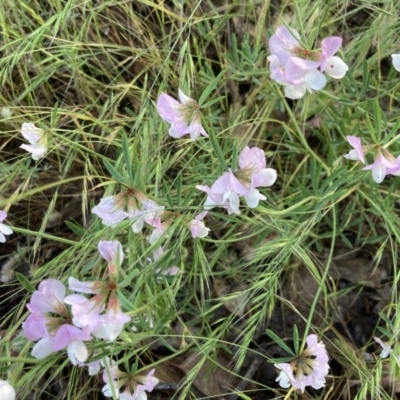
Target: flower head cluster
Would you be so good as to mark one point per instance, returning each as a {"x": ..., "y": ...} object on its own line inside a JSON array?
[
  {"x": 184, "y": 116},
  {"x": 54, "y": 326},
  {"x": 384, "y": 164},
  {"x": 307, "y": 369},
  {"x": 37, "y": 139},
  {"x": 227, "y": 189},
  {"x": 127, "y": 386},
  {"x": 4, "y": 229},
  {"x": 300, "y": 69},
  {"x": 130, "y": 204}
]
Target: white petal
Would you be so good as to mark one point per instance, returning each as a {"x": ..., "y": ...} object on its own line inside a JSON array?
[
  {"x": 269, "y": 175},
  {"x": 2, "y": 238},
  {"x": 138, "y": 225},
  {"x": 234, "y": 203},
  {"x": 352, "y": 155},
  {"x": 379, "y": 173},
  {"x": 5, "y": 229},
  {"x": 183, "y": 98},
  {"x": 295, "y": 92},
  {"x": 336, "y": 67},
  {"x": 283, "y": 380},
  {"x": 252, "y": 198},
  {"x": 396, "y": 61},
  {"x": 315, "y": 80},
  {"x": 77, "y": 351},
  {"x": 42, "y": 348}
]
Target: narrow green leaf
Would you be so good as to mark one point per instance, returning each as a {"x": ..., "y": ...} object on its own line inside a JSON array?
[
  {"x": 211, "y": 102},
  {"x": 125, "y": 149},
  {"x": 235, "y": 156},
  {"x": 128, "y": 279},
  {"x": 124, "y": 301},
  {"x": 75, "y": 228},
  {"x": 114, "y": 173},
  {"x": 178, "y": 188},
  {"x": 371, "y": 128},
  {"x": 366, "y": 79},
  {"x": 378, "y": 119},
  {"x": 279, "y": 342},
  {"x": 210, "y": 88},
  {"x": 296, "y": 339},
  {"x": 217, "y": 149},
  {"x": 24, "y": 281}
]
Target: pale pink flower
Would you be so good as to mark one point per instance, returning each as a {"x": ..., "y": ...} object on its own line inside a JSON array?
[
  {"x": 394, "y": 171},
  {"x": 7, "y": 392},
  {"x": 284, "y": 44},
  {"x": 53, "y": 333},
  {"x": 225, "y": 193},
  {"x": 197, "y": 227},
  {"x": 227, "y": 189},
  {"x": 184, "y": 117},
  {"x": 150, "y": 213},
  {"x": 357, "y": 154},
  {"x": 112, "y": 252},
  {"x": 86, "y": 312},
  {"x": 4, "y": 229},
  {"x": 35, "y": 136},
  {"x": 380, "y": 168},
  {"x": 396, "y": 61},
  {"x": 332, "y": 65},
  {"x": 112, "y": 322},
  {"x": 302, "y": 70},
  {"x": 253, "y": 173},
  {"x": 386, "y": 348},
  {"x": 110, "y": 211},
  {"x": 307, "y": 369},
  {"x": 135, "y": 387}
]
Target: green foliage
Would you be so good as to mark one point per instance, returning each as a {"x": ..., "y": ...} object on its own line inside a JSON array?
[{"x": 89, "y": 74}]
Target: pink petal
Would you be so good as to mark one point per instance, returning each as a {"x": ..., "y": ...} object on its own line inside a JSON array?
[{"x": 167, "y": 107}]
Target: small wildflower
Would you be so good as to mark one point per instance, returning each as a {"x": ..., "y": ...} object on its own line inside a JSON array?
[
  {"x": 301, "y": 70},
  {"x": 307, "y": 369},
  {"x": 386, "y": 348},
  {"x": 197, "y": 227},
  {"x": 110, "y": 210},
  {"x": 227, "y": 189},
  {"x": 7, "y": 392},
  {"x": 358, "y": 153},
  {"x": 380, "y": 168},
  {"x": 133, "y": 387},
  {"x": 53, "y": 332},
  {"x": 4, "y": 229},
  {"x": 184, "y": 117},
  {"x": 396, "y": 61},
  {"x": 36, "y": 137}
]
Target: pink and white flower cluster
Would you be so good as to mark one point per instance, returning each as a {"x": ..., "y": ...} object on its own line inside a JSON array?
[
  {"x": 307, "y": 369},
  {"x": 184, "y": 116},
  {"x": 227, "y": 189},
  {"x": 384, "y": 164},
  {"x": 127, "y": 386},
  {"x": 301, "y": 70},
  {"x": 54, "y": 326}
]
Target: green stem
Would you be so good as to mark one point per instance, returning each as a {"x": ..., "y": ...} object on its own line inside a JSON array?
[{"x": 321, "y": 284}]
